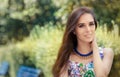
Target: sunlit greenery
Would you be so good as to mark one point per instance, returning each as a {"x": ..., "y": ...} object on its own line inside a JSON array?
[{"x": 18, "y": 17}]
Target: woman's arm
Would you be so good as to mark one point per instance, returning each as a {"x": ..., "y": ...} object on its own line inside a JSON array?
[
  {"x": 102, "y": 66},
  {"x": 64, "y": 72},
  {"x": 108, "y": 59}
]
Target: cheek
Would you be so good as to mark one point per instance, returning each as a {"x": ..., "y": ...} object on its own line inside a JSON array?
[
  {"x": 79, "y": 33},
  {"x": 93, "y": 30},
  {"x": 93, "y": 34}
]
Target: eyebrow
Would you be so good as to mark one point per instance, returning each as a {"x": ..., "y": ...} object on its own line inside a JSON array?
[
  {"x": 91, "y": 21},
  {"x": 83, "y": 23}
]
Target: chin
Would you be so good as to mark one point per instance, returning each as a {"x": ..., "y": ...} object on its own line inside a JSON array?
[{"x": 88, "y": 40}]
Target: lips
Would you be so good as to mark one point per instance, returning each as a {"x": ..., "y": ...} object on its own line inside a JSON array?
[{"x": 88, "y": 36}]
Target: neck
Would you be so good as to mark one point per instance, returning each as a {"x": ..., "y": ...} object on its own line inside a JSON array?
[{"x": 84, "y": 47}]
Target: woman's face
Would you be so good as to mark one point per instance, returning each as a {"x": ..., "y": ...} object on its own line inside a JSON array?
[{"x": 85, "y": 28}]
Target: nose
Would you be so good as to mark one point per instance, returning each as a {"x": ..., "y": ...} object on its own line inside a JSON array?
[{"x": 88, "y": 29}]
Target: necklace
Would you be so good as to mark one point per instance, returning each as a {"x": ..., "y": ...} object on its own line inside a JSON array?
[{"x": 83, "y": 55}]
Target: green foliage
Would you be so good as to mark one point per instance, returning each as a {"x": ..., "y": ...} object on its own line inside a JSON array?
[
  {"x": 109, "y": 39},
  {"x": 18, "y": 17}
]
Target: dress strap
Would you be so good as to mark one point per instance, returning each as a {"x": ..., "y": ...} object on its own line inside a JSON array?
[{"x": 101, "y": 52}]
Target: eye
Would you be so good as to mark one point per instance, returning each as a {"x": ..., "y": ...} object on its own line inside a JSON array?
[
  {"x": 80, "y": 25},
  {"x": 91, "y": 23}
]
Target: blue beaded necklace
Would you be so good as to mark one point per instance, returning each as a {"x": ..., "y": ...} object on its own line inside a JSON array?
[{"x": 83, "y": 55}]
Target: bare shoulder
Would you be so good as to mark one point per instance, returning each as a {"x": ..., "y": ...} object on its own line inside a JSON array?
[{"x": 108, "y": 52}]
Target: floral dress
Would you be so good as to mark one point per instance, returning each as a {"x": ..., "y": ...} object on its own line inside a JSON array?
[{"x": 77, "y": 69}]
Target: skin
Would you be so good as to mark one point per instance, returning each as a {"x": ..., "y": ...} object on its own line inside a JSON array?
[{"x": 85, "y": 32}]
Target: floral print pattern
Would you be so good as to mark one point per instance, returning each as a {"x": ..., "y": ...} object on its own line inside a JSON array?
[
  {"x": 80, "y": 70},
  {"x": 77, "y": 69}
]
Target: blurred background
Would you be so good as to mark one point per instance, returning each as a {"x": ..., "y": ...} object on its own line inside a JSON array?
[{"x": 31, "y": 31}]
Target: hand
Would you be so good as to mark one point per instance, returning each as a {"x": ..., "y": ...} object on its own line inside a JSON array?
[{"x": 94, "y": 44}]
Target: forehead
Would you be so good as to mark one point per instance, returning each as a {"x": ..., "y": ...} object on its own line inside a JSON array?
[{"x": 87, "y": 17}]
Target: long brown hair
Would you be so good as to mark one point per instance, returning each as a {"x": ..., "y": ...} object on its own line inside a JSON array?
[{"x": 69, "y": 40}]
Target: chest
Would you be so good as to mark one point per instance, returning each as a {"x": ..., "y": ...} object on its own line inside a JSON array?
[
  {"x": 80, "y": 67},
  {"x": 77, "y": 69}
]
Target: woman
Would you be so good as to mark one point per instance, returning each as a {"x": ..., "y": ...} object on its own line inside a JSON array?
[{"x": 79, "y": 54}]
